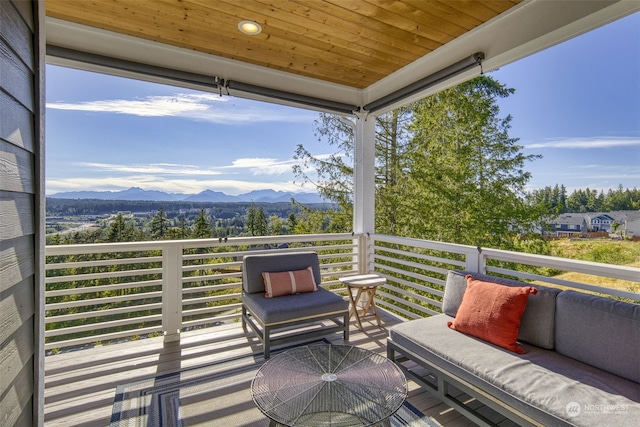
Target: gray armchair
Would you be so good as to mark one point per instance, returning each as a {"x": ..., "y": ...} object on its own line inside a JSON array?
[{"x": 267, "y": 316}]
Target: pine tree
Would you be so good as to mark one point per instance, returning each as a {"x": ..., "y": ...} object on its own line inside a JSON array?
[
  {"x": 159, "y": 225},
  {"x": 251, "y": 220},
  {"x": 446, "y": 169},
  {"x": 291, "y": 223},
  {"x": 117, "y": 228},
  {"x": 201, "y": 226},
  {"x": 466, "y": 178},
  {"x": 260, "y": 223}
]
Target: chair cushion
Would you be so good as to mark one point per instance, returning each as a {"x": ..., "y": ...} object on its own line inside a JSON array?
[
  {"x": 538, "y": 321},
  {"x": 288, "y": 282},
  {"x": 492, "y": 312},
  {"x": 292, "y": 307}
]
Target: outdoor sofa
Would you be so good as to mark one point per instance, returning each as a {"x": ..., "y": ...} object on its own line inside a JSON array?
[{"x": 580, "y": 366}]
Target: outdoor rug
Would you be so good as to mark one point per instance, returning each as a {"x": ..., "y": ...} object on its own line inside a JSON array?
[{"x": 215, "y": 395}]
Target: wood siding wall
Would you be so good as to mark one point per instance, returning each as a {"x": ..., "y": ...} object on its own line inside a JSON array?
[{"x": 21, "y": 185}]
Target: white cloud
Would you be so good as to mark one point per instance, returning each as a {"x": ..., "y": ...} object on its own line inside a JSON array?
[
  {"x": 193, "y": 106},
  {"x": 263, "y": 166},
  {"x": 587, "y": 143},
  {"x": 152, "y": 168}
]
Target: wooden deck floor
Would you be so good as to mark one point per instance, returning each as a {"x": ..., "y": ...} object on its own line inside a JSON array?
[{"x": 80, "y": 385}]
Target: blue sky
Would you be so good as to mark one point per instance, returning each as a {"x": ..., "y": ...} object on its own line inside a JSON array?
[{"x": 577, "y": 104}]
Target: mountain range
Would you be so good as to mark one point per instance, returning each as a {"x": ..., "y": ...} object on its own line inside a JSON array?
[{"x": 136, "y": 193}]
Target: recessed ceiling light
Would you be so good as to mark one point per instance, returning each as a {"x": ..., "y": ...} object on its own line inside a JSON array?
[{"x": 250, "y": 27}]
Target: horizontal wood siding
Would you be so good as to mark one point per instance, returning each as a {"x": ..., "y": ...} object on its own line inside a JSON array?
[
  {"x": 19, "y": 174},
  {"x": 16, "y": 123}
]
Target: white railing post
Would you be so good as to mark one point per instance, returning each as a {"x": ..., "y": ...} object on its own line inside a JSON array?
[
  {"x": 171, "y": 292},
  {"x": 475, "y": 261}
]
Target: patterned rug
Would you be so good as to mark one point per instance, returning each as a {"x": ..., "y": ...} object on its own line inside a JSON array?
[{"x": 215, "y": 395}]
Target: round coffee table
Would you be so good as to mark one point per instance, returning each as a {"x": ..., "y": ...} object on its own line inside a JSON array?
[{"x": 328, "y": 385}]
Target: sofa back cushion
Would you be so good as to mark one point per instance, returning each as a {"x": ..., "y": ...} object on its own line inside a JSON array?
[
  {"x": 254, "y": 265},
  {"x": 492, "y": 312},
  {"x": 537, "y": 326},
  {"x": 599, "y": 331}
]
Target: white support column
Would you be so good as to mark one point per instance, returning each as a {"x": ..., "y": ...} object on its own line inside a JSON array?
[
  {"x": 171, "y": 292},
  {"x": 364, "y": 184}
]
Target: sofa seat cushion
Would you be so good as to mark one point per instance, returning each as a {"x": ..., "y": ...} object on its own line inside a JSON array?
[
  {"x": 290, "y": 307},
  {"x": 540, "y": 383}
]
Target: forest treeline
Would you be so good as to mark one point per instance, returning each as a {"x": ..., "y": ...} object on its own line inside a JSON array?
[
  {"x": 586, "y": 200},
  {"x": 133, "y": 221},
  {"x": 66, "y": 207}
]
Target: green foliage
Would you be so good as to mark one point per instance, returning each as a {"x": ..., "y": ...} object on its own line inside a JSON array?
[
  {"x": 586, "y": 200},
  {"x": 446, "y": 169},
  {"x": 598, "y": 250},
  {"x": 202, "y": 226},
  {"x": 466, "y": 176},
  {"x": 119, "y": 231},
  {"x": 312, "y": 221},
  {"x": 256, "y": 221},
  {"x": 159, "y": 225}
]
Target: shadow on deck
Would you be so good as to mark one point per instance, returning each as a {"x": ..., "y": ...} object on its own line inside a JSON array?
[{"x": 80, "y": 385}]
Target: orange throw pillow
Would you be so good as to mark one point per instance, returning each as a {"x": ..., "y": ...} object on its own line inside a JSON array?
[
  {"x": 288, "y": 282},
  {"x": 492, "y": 312}
]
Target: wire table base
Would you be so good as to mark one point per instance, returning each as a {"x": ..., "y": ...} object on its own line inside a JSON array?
[{"x": 329, "y": 385}]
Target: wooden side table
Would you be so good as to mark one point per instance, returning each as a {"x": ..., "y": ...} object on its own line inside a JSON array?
[{"x": 363, "y": 284}]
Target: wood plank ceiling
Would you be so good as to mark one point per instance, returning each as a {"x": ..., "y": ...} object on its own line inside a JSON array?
[{"x": 351, "y": 42}]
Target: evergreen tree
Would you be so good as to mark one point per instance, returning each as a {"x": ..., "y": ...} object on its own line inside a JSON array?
[
  {"x": 291, "y": 223},
  {"x": 159, "y": 225},
  {"x": 260, "y": 226},
  {"x": 250, "y": 224},
  {"x": 201, "y": 226},
  {"x": 179, "y": 232},
  {"x": 453, "y": 174},
  {"x": 467, "y": 177},
  {"x": 117, "y": 230},
  {"x": 393, "y": 141}
]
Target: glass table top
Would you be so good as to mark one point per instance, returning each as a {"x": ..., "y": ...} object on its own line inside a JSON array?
[{"x": 329, "y": 385}]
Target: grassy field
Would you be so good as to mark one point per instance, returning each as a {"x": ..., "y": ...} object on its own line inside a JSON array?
[{"x": 617, "y": 252}]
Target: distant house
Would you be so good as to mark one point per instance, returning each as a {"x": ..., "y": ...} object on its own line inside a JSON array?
[
  {"x": 623, "y": 223},
  {"x": 567, "y": 225},
  {"x": 628, "y": 222},
  {"x": 599, "y": 222}
]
